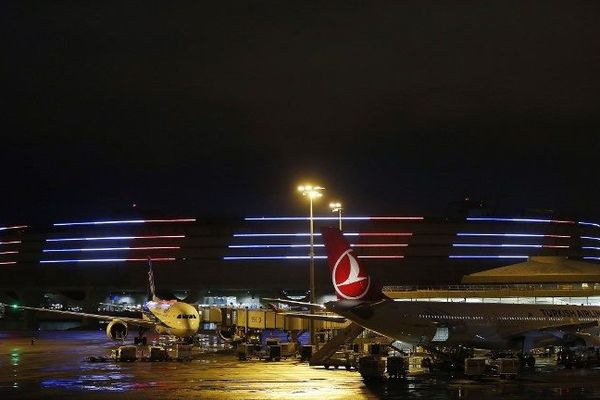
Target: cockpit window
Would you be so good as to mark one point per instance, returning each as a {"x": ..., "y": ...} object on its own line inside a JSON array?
[{"x": 186, "y": 316}]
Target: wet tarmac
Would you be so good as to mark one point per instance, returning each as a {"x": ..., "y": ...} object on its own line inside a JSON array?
[{"x": 56, "y": 366}]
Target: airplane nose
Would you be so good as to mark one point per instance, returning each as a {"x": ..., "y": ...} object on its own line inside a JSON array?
[{"x": 194, "y": 324}]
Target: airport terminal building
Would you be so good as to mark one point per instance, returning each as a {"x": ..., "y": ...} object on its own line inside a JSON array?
[{"x": 224, "y": 261}]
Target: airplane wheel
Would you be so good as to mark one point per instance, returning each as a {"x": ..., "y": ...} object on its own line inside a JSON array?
[{"x": 326, "y": 366}]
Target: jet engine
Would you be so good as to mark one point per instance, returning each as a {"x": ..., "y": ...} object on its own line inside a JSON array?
[
  {"x": 116, "y": 330},
  {"x": 581, "y": 339}
]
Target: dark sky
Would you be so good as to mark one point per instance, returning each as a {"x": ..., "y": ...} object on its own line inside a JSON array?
[{"x": 204, "y": 109}]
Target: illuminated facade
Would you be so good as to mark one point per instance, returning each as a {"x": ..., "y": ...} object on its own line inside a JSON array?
[{"x": 194, "y": 257}]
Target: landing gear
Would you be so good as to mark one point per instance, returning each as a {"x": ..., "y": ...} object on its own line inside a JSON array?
[
  {"x": 530, "y": 361},
  {"x": 188, "y": 340},
  {"x": 140, "y": 339}
]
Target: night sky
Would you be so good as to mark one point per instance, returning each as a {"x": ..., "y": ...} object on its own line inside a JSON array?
[{"x": 196, "y": 108}]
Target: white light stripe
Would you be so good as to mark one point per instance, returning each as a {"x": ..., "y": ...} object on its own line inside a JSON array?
[
  {"x": 280, "y": 234},
  {"x": 272, "y": 257},
  {"x": 114, "y": 238},
  {"x": 7, "y": 262},
  {"x": 113, "y": 248},
  {"x": 268, "y": 246},
  {"x": 318, "y": 234},
  {"x": 333, "y": 218},
  {"x": 105, "y": 260},
  {"x": 557, "y": 221},
  {"x": 590, "y": 223},
  {"x": 5, "y": 228},
  {"x": 129, "y": 221},
  {"x": 11, "y": 242},
  {"x": 8, "y": 252},
  {"x": 293, "y": 257},
  {"x": 511, "y": 235},
  {"x": 453, "y": 256}
]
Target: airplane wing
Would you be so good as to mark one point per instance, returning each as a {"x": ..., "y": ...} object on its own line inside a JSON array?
[
  {"x": 572, "y": 327},
  {"x": 296, "y": 303},
  {"x": 132, "y": 321},
  {"x": 115, "y": 305}
]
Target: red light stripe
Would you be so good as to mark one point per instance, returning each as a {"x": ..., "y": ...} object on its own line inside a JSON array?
[
  {"x": 4, "y": 228},
  {"x": 398, "y": 218},
  {"x": 385, "y": 234},
  {"x": 390, "y": 257},
  {"x": 380, "y": 245}
]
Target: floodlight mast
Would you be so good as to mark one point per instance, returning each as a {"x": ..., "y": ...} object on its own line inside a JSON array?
[
  {"x": 337, "y": 207},
  {"x": 312, "y": 193}
]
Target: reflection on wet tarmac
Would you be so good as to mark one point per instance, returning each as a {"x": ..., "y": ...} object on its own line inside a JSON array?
[{"x": 55, "y": 367}]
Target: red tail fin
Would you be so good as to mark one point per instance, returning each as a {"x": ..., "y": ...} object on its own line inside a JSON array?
[{"x": 348, "y": 275}]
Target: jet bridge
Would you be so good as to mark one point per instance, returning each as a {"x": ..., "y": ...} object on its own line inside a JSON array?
[{"x": 228, "y": 317}]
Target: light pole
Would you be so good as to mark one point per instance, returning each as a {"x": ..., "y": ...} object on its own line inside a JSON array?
[
  {"x": 337, "y": 207},
  {"x": 312, "y": 192}
]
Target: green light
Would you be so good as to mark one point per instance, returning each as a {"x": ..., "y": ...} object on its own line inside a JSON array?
[{"x": 15, "y": 306}]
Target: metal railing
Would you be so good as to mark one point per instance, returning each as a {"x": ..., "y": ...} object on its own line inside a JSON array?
[{"x": 515, "y": 287}]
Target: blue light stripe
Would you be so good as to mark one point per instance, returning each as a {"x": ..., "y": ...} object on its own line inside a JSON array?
[
  {"x": 590, "y": 224},
  {"x": 511, "y": 235},
  {"x": 590, "y": 238},
  {"x": 591, "y": 248},
  {"x": 519, "y": 220},
  {"x": 591, "y": 258}
]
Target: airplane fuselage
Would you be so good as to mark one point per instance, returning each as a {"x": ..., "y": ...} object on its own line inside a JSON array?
[
  {"x": 478, "y": 325},
  {"x": 172, "y": 317}
]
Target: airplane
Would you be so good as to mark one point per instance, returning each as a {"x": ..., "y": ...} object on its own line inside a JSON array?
[
  {"x": 165, "y": 317},
  {"x": 520, "y": 327}
]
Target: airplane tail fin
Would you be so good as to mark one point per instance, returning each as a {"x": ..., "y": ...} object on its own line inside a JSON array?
[
  {"x": 348, "y": 274},
  {"x": 151, "y": 290}
]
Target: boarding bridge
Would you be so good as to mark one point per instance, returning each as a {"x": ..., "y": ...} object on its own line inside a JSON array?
[{"x": 262, "y": 319}]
